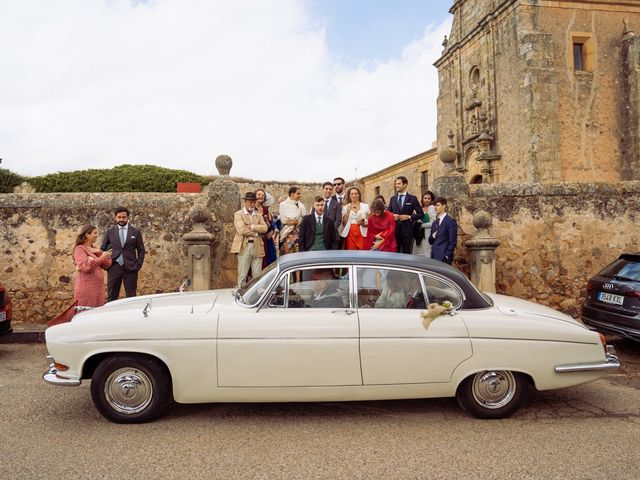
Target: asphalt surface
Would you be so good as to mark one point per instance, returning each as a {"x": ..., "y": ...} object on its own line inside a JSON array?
[{"x": 585, "y": 432}]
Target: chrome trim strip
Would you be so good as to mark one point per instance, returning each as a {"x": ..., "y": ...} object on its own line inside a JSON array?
[{"x": 612, "y": 362}]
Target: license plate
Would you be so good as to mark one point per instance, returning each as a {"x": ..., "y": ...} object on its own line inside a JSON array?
[
  {"x": 610, "y": 298},
  {"x": 3, "y": 316}
]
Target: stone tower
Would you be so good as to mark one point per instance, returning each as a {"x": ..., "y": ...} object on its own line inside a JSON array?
[{"x": 541, "y": 91}]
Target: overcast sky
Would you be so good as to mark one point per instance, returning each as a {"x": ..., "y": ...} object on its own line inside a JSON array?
[{"x": 290, "y": 89}]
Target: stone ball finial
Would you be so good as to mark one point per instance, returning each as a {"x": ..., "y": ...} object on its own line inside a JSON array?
[
  {"x": 198, "y": 214},
  {"x": 482, "y": 220},
  {"x": 223, "y": 164},
  {"x": 449, "y": 155}
]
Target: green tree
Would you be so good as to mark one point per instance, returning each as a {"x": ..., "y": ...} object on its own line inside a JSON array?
[
  {"x": 9, "y": 180},
  {"x": 123, "y": 178}
]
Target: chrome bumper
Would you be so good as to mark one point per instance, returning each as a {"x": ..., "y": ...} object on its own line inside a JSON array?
[
  {"x": 612, "y": 363},
  {"x": 51, "y": 376}
]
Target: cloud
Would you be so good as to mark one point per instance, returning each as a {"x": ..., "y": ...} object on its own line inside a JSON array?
[{"x": 91, "y": 84}]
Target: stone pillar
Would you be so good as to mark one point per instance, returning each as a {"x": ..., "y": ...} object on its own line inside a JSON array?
[
  {"x": 630, "y": 108},
  {"x": 223, "y": 202},
  {"x": 199, "y": 243},
  {"x": 483, "y": 253}
]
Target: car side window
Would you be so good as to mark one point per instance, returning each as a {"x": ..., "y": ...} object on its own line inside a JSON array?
[
  {"x": 277, "y": 297},
  {"x": 439, "y": 291},
  {"x": 383, "y": 288},
  {"x": 318, "y": 288}
]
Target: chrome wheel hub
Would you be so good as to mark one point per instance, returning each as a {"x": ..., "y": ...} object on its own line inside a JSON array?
[
  {"x": 128, "y": 390},
  {"x": 494, "y": 389}
]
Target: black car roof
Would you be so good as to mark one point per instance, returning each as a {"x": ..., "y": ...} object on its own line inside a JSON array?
[{"x": 302, "y": 259}]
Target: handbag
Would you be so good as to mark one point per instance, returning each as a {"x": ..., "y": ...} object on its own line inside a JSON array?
[{"x": 65, "y": 316}]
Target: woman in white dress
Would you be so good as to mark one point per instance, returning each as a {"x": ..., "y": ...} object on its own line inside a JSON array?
[
  {"x": 422, "y": 246},
  {"x": 355, "y": 216}
]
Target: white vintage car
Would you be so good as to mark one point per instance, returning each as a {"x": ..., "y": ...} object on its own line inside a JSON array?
[{"x": 325, "y": 326}]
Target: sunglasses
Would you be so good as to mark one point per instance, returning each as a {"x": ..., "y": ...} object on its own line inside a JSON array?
[{"x": 337, "y": 184}]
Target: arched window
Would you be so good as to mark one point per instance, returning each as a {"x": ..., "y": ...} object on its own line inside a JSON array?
[{"x": 476, "y": 179}]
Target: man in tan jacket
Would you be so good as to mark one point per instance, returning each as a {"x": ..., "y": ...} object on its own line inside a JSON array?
[{"x": 247, "y": 242}]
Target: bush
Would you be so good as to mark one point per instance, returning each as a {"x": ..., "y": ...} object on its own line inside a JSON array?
[
  {"x": 124, "y": 178},
  {"x": 9, "y": 180}
]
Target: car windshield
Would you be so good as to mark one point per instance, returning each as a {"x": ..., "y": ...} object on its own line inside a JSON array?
[
  {"x": 253, "y": 291},
  {"x": 623, "y": 269}
]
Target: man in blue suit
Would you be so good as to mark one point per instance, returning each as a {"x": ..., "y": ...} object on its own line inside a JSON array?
[
  {"x": 444, "y": 233},
  {"x": 406, "y": 209}
]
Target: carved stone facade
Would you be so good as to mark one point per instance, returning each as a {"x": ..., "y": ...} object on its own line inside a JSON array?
[{"x": 541, "y": 91}]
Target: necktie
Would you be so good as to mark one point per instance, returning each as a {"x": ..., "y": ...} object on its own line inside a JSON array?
[
  {"x": 319, "y": 220},
  {"x": 401, "y": 201},
  {"x": 437, "y": 224},
  {"x": 120, "y": 259}
]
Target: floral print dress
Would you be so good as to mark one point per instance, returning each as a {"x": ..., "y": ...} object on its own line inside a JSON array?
[{"x": 89, "y": 287}]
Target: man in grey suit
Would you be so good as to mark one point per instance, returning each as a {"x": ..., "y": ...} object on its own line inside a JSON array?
[{"x": 127, "y": 247}]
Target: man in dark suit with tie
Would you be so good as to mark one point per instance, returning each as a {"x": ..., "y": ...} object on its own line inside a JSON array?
[
  {"x": 406, "y": 209},
  {"x": 127, "y": 247},
  {"x": 332, "y": 212},
  {"x": 317, "y": 232},
  {"x": 444, "y": 233}
]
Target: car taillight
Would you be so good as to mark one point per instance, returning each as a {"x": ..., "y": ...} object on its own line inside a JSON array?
[
  {"x": 590, "y": 287},
  {"x": 633, "y": 294}
]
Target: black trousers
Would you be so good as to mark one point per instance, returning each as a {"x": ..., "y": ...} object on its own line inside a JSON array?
[
  {"x": 116, "y": 276},
  {"x": 404, "y": 243}
]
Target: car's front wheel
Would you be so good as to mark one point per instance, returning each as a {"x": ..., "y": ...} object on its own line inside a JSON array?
[
  {"x": 492, "y": 393},
  {"x": 130, "y": 388}
]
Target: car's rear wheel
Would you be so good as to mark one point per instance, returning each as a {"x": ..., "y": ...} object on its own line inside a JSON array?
[
  {"x": 492, "y": 393},
  {"x": 130, "y": 388}
]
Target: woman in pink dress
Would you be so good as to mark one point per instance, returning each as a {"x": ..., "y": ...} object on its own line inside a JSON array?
[
  {"x": 381, "y": 233},
  {"x": 90, "y": 262}
]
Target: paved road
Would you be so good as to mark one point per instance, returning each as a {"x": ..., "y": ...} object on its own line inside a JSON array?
[{"x": 586, "y": 432}]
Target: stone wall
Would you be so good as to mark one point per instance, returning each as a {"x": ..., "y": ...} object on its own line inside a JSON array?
[
  {"x": 554, "y": 237},
  {"x": 37, "y": 237},
  {"x": 38, "y": 231}
]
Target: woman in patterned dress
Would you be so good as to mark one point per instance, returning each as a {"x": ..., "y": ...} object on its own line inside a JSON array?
[{"x": 90, "y": 262}]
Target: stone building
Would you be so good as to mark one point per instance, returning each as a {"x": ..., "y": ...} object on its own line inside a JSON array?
[
  {"x": 541, "y": 91},
  {"x": 417, "y": 169}
]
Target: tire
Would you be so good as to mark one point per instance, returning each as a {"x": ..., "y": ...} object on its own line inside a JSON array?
[
  {"x": 131, "y": 388},
  {"x": 492, "y": 393}
]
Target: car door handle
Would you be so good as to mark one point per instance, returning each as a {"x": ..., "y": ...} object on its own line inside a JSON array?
[{"x": 347, "y": 311}]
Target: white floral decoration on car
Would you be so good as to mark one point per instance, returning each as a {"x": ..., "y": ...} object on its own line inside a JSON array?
[{"x": 434, "y": 310}]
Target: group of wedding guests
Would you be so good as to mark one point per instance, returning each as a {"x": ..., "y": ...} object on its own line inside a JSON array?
[{"x": 340, "y": 219}]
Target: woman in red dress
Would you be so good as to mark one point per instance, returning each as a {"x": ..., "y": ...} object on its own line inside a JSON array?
[
  {"x": 90, "y": 262},
  {"x": 381, "y": 233}
]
